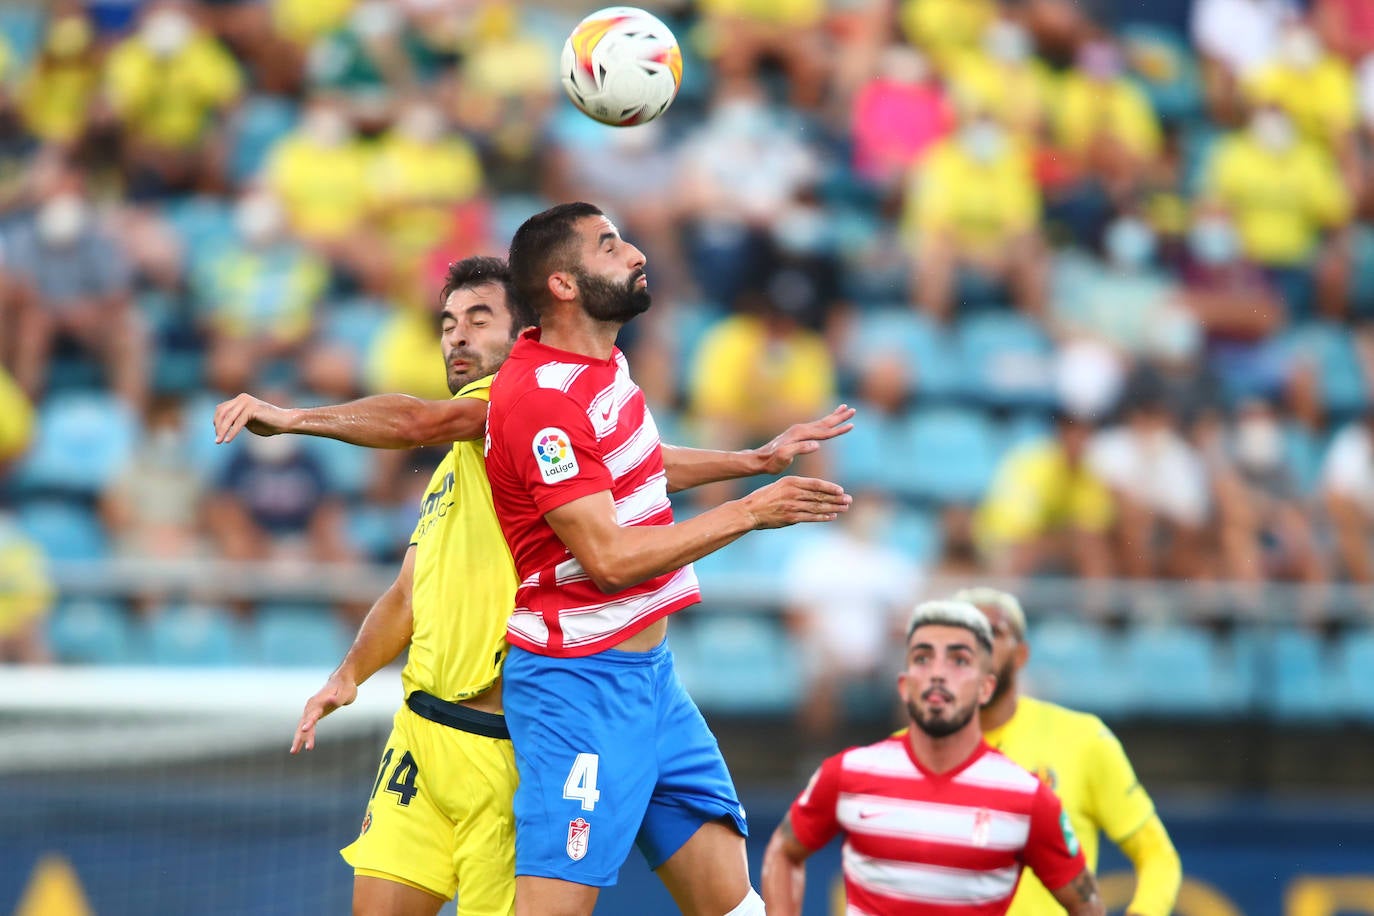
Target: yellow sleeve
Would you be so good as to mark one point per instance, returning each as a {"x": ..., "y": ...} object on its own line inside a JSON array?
[
  {"x": 1158, "y": 870},
  {"x": 29, "y": 593},
  {"x": 219, "y": 78},
  {"x": 1118, "y": 801},
  {"x": 128, "y": 80},
  {"x": 1223, "y": 178},
  {"x": 1023, "y": 198},
  {"x": 1328, "y": 201},
  {"x": 1141, "y": 128},
  {"x": 16, "y": 417},
  {"x": 1011, "y": 513},
  {"x": 715, "y": 380},
  {"x": 936, "y": 187}
]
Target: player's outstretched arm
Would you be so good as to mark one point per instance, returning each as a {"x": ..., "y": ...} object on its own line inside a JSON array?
[
  {"x": 378, "y": 421},
  {"x": 1158, "y": 870},
  {"x": 383, "y": 636},
  {"x": 1080, "y": 896},
  {"x": 784, "y": 871},
  {"x": 693, "y": 467},
  {"x": 618, "y": 558}
]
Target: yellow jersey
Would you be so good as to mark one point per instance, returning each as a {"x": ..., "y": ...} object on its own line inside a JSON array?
[
  {"x": 464, "y": 587},
  {"x": 1081, "y": 760}
]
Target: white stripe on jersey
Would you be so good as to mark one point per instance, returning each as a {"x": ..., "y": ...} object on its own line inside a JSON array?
[
  {"x": 568, "y": 571},
  {"x": 604, "y": 411},
  {"x": 993, "y": 771},
  {"x": 877, "y": 815},
  {"x": 649, "y": 498},
  {"x": 597, "y": 621},
  {"x": 886, "y": 759},
  {"x": 635, "y": 450},
  {"x": 929, "y": 883},
  {"x": 558, "y": 375}
]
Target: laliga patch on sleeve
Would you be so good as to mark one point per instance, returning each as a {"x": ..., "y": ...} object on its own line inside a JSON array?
[{"x": 553, "y": 450}]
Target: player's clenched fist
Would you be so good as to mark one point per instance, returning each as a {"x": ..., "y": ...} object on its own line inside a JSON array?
[
  {"x": 257, "y": 415},
  {"x": 793, "y": 500}
]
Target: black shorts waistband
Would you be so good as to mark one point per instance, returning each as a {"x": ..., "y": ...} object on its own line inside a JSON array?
[{"x": 456, "y": 715}]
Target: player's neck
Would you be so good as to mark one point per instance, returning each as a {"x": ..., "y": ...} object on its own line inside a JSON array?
[
  {"x": 940, "y": 755},
  {"x": 579, "y": 333},
  {"x": 999, "y": 711}
]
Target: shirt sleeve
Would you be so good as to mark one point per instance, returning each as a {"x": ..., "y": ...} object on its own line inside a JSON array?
[
  {"x": 814, "y": 814},
  {"x": 1120, "y": 805},
  {"x": 1052, "y": 849},
  {"x": 552, "y": 448}
]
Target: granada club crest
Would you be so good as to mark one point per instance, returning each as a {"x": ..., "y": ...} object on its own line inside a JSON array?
[
  {"x": 578, "y": 832},
  {"x": 982, "y": 827}
]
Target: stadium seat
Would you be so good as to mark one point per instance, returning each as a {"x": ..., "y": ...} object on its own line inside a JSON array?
[
  {"x": 353, "y": 324},
  {"x": 1331, "y": 350},
  {"x": 66, "y": 530},
  {"x": 1166, "y": 68},
  {"x": 1174, "y": 670},
  {"x": 346, "y": 467},
  {"x": 205, "y": 226},
  {"x": 861, "y": 455},
  {"x": 194, "y": 636},
  {"x": 84, "y": 440},
  {"x": 1303, "y": 455},
  {"x": 260, "y": 122},
  {"x": 1074, "y": 663},
  {"x": 1025, "y": 427},
  {"x": 737, "y": 662},
  {"x": 1006, "y": 360},
  {"x": 1357, "y": 674},
  {"x": 91, "y": 632},
  {"x": 21, "y": 25},
  {"x": 306, "y": 636},
  {"x": 917, "y": 534},
  {"x": 936, "y": 372},
  {"x": 1305, "y": 678},
  {"x": 944, "y": 455}
]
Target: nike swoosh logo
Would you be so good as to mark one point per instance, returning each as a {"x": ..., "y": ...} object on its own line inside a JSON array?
[
  {"x": 865, "y": 815},
  {"x": 606, "y": 414}
]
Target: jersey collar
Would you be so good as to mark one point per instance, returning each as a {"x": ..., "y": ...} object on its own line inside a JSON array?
[
  {"x": 978, "y": 752},
  {"x": 478, "y": 385},
  {"x": 529, "y": 346}
]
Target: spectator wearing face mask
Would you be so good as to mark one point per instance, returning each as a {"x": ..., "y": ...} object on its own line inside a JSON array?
[
  {"x": 167, "y": 84},
  {"x": 946, "y": 29},
  {"x": 1106, "y": 121},
  {"x": 57, "y": 93},
  {"x": 75, "y": 280},
  {"x": 1005, "y": 75},
  {"x": 258, "y": 296},
  {"x": 1287, "y": 200},
  {"x": 973, "y": 215},
  {"x": 1235, "y": 38}
]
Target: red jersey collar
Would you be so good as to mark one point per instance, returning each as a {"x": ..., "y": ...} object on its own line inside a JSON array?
[
  {"x": 529, "y": 346},
  {"x": 978, "y": 752}
]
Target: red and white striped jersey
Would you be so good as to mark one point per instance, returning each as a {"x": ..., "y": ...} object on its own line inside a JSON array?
[
  {"x": 919, "y": 843},
  {"x": 562, "y": 426}
]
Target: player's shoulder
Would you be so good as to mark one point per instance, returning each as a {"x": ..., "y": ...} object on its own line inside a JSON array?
[
  {"x": 995, "y": 770},
  {"x": 888, "y": 757},
  {"x": 1065, "y": 724}
]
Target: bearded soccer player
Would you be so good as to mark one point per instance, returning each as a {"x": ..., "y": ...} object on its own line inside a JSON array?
[
  {"x": 936, "y": 823},
  {"x": 1081, "y": 760},
  {"x": 611, "y": 751}
]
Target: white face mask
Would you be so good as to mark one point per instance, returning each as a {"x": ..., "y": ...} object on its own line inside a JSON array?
[
  {"x": 1259, "y": 442},
  {"x": 259, "y": 219},
  {"x": 905, "y": 65},
  {"x": 1301, "y": 48},
  {"x": 743, "y": 117},
  {"x": 1007, "y": 42},
  {"x": 326, "y": 127},
  {"x": 423, "y": 124},
  {"x": 166, "y": 32},
  {"x": 982, "y": 140},
  {"x": 376, "y": 18},
  {"x": 61, "y": 220},
  {"x": 1129, "y": 243},
  {"x": 1273, "y": 130}
]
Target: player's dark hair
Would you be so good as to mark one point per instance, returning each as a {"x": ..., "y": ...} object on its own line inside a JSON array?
[
  {"x": 545, "y": 243},
  {"x": 480, "y": 270}
]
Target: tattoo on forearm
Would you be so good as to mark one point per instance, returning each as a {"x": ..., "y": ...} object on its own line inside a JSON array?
[{"x": 1085, "y": 885}]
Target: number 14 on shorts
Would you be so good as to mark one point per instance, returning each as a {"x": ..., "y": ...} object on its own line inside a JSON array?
[{"x": 580, "y": 785}]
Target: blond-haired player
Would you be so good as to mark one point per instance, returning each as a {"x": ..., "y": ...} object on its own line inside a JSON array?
[{"x": 1082, "y": 761}]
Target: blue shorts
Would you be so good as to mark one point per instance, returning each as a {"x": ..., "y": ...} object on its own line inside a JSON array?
[{"x": 611, "y": 751}]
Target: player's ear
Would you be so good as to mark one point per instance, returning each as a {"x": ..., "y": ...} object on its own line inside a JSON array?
[
  {"x": 987, "y": 688},
  {"x": 563, "y": 286},
  {"x": 903, "y": 690},
  {"x": 1021, "y": 654}
]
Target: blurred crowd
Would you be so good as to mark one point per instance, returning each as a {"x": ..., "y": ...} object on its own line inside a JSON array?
[{"x": 1098, "y": 276}]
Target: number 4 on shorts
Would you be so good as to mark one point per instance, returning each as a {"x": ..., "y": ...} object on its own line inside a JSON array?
[{"x": 581, "y": 783}]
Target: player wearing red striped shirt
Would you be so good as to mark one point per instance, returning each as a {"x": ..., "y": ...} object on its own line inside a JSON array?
[
  {"x": 936, "y": 823},
  {"x": 610, "y": 749}
]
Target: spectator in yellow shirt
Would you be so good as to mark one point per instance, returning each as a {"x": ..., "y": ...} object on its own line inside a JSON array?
[
  {"x": 1289, "y": 206},
  {"x": 56, "y": 95},
  {"x": 16, "y": 419},
  {"x": 946, "y": 29},
  {"x": 166, "y": 84},
  {"x": 1046, "y": 507},
  {"x": 973, "y": 206},
  {"x": 1106, "y": 121},
  {"x": 1006, "y": 78},
  {"x": 303, "y": 21}
]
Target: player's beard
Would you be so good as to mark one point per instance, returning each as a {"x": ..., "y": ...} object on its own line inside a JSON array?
[
  {"x": 478, "y": 367},
  {"x": 606, "y": 300},
  {"x": 1006, "y": 679},
  {"x": 941, "y": 726}
]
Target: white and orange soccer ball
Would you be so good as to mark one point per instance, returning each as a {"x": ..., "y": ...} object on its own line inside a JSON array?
[{"x": 622, "y": 66}]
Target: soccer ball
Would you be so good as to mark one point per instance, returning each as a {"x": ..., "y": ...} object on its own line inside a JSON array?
[{"x": 622, "y": 66}]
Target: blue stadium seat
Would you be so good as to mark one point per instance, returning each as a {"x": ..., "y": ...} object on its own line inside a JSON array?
[
  {"x": 1362, "y": 272},
  {"x": 260, "y": 122},
  {"x": 1025, "y": 427},
  {"x": 64, "y": 529},
  {"x": 946, "y": 455},
  {"x": 205, "y": 226},
  {"x": 347, "y": 467},
  {"x": 1166, "y": 68},
  {"x": 354, "y": 323},
  {"x": 306, "y": 636},
  {"x": 1357, "y": 674},
  {"x": 84, "y": 440},
  {"x": 1305, "y": 681},
  {"x": 194, "y": 636},
  {"x": 1174, "y": 670},
  {"x": 930, "y": 349},
  {"x": 1006, "y": 359},
  {"x": 22, "y": 26},
  {"x": 1073, "y": 662},
  {"x": 1331, "y": 350},
  {"x": 1303, "y": 454},
  {"x": 917, "y": 534},
  {"x": 861, "y": 455},
  {"x": 91, "y": 632},
  {"x": 378, "y": 531},
  {"x": 736, "y": 662}
]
